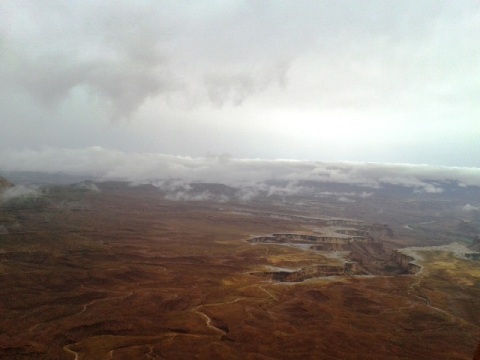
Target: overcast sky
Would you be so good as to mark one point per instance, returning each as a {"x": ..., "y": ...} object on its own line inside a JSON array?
[{"x": 366, "y": 81}]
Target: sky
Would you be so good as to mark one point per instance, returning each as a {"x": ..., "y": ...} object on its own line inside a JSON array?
[{"x": 330, "y": 81}]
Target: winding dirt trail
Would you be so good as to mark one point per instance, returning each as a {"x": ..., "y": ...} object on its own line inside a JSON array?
[
  {"x": 268, "y": 293},
  {"x": 67, "y": 349},
  {"x": 207, "y": 318},
  {"x": 208, "y": 321},
  {"x": 87, "y": 305},
  {"x": 33, "y": 328},
  {"x": 413, "y": 290}
]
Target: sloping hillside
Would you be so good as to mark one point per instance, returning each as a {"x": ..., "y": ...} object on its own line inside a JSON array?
[{"x": 4, "y": 184}]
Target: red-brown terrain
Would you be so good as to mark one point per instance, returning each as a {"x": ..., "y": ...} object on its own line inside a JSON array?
[{"x": 126, "y": 274}]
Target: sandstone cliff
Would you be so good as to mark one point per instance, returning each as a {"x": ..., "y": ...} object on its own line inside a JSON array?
[
  {"x": 406, "y": 262},
  {"x": 313, "y": 271},
  {"x": 315, "y": 239}
]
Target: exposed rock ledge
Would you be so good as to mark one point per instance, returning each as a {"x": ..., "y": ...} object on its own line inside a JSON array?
[
  {"x": 407, "y": 257},
  {"x": 340, "y": 238},
  {"x": 407, "y": 262},
  {"x": 360, "y": 254},
  {"x": 308, "y": 272}
]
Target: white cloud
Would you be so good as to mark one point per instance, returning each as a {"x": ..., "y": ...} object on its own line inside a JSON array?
[
  {"x": 346, "y": 200},
  {"x": 469, "y": 207},
  {"x": 365, "y": 194}
]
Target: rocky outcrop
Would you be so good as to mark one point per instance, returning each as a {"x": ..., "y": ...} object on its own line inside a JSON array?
[
  {"x": 342, "y": 222},
  {"x": 406, "y": 262},
  {"x": 353, "y": 232},
  {"x": 316, "y": 239},
  {"x": 309, "y": 272}
]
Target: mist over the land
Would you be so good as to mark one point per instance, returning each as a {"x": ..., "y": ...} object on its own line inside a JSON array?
[{"x": 105, "y": 164}]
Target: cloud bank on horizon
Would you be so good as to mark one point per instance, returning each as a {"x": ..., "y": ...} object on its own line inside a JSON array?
[
  {"x": 378, "y": 81},
  {"x": 157, "y": 169}
]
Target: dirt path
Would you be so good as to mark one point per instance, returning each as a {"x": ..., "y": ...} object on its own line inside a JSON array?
[{"x": 67, "y": 349}]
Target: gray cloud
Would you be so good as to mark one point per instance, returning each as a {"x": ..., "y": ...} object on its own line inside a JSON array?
[
  {"x": 74, "y": 49},
  {"x": 368, "y": 81},
  {"x": 122, "y": 54}
]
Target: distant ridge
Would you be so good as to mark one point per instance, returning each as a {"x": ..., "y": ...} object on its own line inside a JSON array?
[{"x": 37, "y": 178}]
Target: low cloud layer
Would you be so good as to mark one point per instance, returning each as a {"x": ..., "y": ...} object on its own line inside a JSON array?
[{"x": 108, "y": 164}]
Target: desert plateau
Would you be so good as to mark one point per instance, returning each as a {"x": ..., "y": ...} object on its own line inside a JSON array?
[{"x": 111, "y": 270}]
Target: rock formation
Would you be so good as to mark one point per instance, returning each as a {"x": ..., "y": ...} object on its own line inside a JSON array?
[
  {"x": 406, "y": 262},
  {"x": 313, "y": 271},
  {"x": 342, "y": 238}
]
